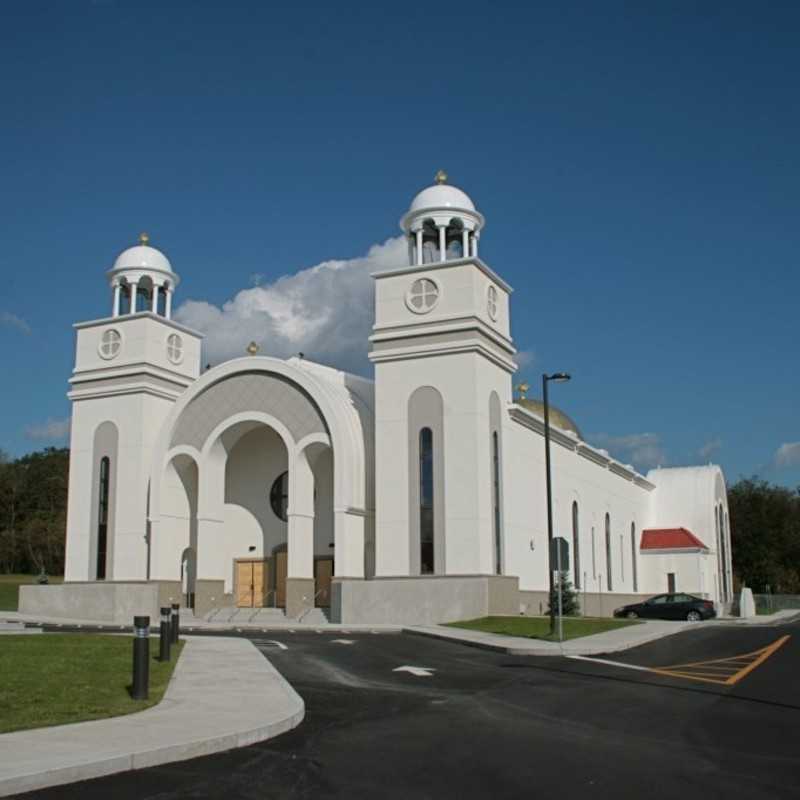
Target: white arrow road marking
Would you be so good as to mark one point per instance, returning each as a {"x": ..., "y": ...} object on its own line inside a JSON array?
[
  {"x": 279, "y": 644},
  {"x": 420, "y": 672},
  {"x": 342, "y": 641}
]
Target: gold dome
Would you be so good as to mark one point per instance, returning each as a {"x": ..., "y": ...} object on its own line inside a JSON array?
[{"x": 558, "y": 419}]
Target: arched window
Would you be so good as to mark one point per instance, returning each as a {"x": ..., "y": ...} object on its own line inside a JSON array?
[
  {"x": 634, "y": 563},
  {"x": 426, "y": 501},
  {"x": 102, "y": 517},
  {"x": 576, "y": 551},
  {"x": 609, "y": 578},
  {"x": 496, "y": 503}
]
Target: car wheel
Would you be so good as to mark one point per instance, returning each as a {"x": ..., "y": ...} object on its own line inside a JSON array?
[
  {"x": 631, "y": 615},
  {"x": 693, "y": 616}
]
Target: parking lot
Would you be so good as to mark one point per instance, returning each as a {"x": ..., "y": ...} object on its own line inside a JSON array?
[{"x": 401, "y": 716}]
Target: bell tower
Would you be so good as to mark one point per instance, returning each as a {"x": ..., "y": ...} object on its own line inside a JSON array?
[
  {"x": 130, "y": 368},
  {"x": 443, "y": 357}
]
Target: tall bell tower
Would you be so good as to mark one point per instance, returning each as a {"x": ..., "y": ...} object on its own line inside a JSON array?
[
  {"x": 130, "y": 368},
  {"x": 443, "y": 357}
]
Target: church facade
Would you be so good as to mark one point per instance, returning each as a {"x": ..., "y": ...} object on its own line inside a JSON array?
[{"x": 420, "y": 496}]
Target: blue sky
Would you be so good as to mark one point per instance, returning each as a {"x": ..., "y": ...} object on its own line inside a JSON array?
[{"x": 637, "y": 165}]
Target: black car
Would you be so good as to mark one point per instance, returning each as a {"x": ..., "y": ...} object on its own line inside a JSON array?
[{"x": 670, "y": 606}]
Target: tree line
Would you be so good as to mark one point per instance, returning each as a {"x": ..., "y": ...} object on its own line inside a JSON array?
[
  {"x": 33, "y": 511},
  {"x": 764, "y": 520}
]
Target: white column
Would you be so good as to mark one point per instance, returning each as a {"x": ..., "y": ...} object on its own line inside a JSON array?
[
  {"x": 117, "y": 290},
  {"x": 442, "y": 242},
  {"x": 475, "y": 244},
  {"x": 154, "y": 303},
  {"x": 411, "y": 259},
  {"x": 349, "y": 536},
  {"x": 465, "y": 243},
  {"x": 168, "y": 304},
  {"x": 134, "y": 290},
  {"x": 419, "y": 247},
  {"x": 300, "y": 538}
]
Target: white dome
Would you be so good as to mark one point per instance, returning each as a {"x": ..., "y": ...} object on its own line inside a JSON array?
[
  {"x": 441, "y": 195},
  {"x": 142, "y": 256}
]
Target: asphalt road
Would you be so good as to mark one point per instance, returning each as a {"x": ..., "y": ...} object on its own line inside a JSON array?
[{"x": 488, "y": 725}]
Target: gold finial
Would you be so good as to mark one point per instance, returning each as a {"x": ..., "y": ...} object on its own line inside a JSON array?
[
  {"x": 144, "y": 239},
  {"x": 252, "y": 348},
  {"x": 441, "y": 177},
  {"x": 523, "y": 389}
]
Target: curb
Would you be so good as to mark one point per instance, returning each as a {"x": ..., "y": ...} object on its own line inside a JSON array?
[
  {"x": 554, "y": 650},
  {"x": 150, "y": 757}
]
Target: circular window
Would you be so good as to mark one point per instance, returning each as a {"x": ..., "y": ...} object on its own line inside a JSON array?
[
  {"x": 110, "y": 343},
  {"x": 423, "y": 295},
  {"x": 279, "y": 496},
  {"x": 174, "y": 348},
  {"x": 491, "y": 302}
]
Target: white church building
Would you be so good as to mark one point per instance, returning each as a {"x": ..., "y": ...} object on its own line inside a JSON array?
[{"x": 418, "y": 496}]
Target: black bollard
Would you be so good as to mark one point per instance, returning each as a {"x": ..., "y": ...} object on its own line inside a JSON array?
[
  {"x": 176, "y": 621},
  {"x": 166, "y": 635},
  {"x": 141, "y": 657}
]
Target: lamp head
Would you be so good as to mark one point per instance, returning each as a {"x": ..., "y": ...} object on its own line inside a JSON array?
[{"x": 558, "y": 377}]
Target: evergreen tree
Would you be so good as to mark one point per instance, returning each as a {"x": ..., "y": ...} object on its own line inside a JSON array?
[{"x": 570, "y": 605}]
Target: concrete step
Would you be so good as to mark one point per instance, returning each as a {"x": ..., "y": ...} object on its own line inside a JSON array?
[
  {"x": 314, "y": 616},
  {"x": 256, "y": 615}
]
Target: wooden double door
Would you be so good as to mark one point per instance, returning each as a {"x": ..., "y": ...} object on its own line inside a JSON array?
[
  {"x": 256, "y": 579},
  {"x": 252, "y": 583}
]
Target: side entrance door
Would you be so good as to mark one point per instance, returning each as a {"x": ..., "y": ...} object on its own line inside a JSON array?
[
  {"x": 250, "y": 584},
  {"x": 323, "y": 572}
]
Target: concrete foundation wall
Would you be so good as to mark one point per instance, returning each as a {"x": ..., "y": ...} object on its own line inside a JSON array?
[
  {"x": 103, "y": 601},
  {"x": 421, "y": 600},
  {"x": 210, "y": 594}
]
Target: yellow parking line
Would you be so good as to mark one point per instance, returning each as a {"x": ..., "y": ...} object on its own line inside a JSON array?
[{"x": 704, "y": 670}]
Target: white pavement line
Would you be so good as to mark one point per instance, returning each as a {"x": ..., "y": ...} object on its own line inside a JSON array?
[
  {"x": 279, "y": 644},
  {"x": 342, "y": 641},
  {"x": 420, "y": 672},
  {"x": 610, "y": 663}
]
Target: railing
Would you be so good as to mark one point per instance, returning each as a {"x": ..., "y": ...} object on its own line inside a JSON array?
[{"x": 312, "y": 606}]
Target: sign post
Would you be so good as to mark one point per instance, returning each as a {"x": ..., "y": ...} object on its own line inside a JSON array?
[{"x": 559, "y": 555}]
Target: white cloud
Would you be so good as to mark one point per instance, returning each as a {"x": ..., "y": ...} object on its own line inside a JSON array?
[
  {"x": 325, "y": 312},
  {"x": 51, "y": 430},
  {"x": 788, "y": 455},
  {"x": 525, "y": 359},
  {"x": 13, "y": 321},
  {"x": 643, "y": 450},
  {"x": 709, "y": 449}
]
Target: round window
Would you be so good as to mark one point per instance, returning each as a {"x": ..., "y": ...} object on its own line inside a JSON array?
[
  {"x": 279, "y": 496},
  {"x": 491, "y": 302},
  {"x": 423, "y": 295},
  {"x": 174, "y": 348},
  {"x": 110, "y": 343}
]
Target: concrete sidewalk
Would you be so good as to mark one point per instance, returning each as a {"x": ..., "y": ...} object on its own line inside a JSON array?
[
  {"x": 608, "y": 642},
  {"x": 223, "y": 694}
]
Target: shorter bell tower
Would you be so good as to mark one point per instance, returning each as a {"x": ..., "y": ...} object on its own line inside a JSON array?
[
  {"x": 443, "y": 357},
  {"x": 130, "y": 368}
]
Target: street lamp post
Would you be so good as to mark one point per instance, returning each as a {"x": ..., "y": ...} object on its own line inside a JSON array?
[{"x": 558, "y": 377}]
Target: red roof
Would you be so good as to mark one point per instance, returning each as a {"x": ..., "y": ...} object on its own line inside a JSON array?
[{"x": 670, "y": 539}]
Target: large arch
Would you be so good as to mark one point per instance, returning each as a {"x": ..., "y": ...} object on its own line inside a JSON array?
[{"x": 311, "y": 416}]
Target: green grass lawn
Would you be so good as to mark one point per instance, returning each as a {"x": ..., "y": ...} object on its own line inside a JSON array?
[
  {"x": 9, "y": 588},
  {"x": 539, "y": 627},
  {"x": 55, "y": 678}
]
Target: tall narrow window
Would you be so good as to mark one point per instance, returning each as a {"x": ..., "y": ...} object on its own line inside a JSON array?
[
  {"x": 724, "y": 556},
  {"x": 634, "y": 565},
  {"x": 102, "y": 518},
  {"x": 496, "y": 502},
  {"x": 609, "y": 578},
  {"x": 426, "y": 501},
  {"x": 576, "y": 552}
]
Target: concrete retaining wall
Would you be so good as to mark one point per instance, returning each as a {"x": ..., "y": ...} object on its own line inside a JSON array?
[
  {"x": 103, "y": 601},
  {"x": 422, "y": 600}
]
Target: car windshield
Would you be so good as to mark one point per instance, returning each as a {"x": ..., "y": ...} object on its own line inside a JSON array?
[{"x": 662, "y": 598}]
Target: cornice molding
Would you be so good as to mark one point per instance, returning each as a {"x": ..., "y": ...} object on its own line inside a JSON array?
[
  {"x": 437, "y": 265},
  {"x": 123, "y": 318}
]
